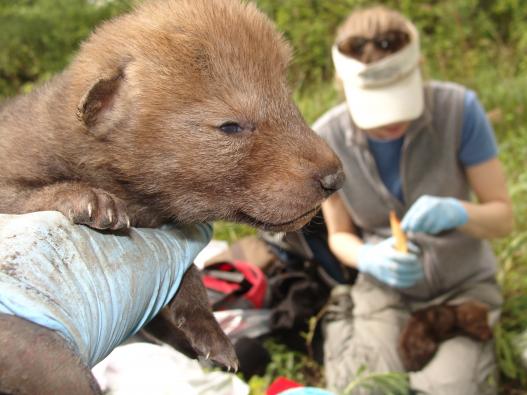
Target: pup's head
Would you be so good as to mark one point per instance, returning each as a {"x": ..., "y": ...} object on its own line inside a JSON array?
[
  {"x": 191, "y": 100},
  {"x": 472, "y": 319}
]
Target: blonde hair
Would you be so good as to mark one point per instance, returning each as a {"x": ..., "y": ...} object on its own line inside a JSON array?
[
  {"x": 367, "y": 23},
  {"x": 371, "y": 21}
]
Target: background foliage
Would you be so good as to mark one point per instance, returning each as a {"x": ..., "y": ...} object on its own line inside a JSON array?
[
  {"x": 38, "y": 38},
  {"x": 479, "y": 43}
]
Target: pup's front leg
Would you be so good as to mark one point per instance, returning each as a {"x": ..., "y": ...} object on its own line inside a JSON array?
[
  {"x": 187, "y": 324},
  {"x": 81, "y": 203}
]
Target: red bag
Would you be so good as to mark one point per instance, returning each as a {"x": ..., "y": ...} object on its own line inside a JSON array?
[{"x": 235, "y": 285}]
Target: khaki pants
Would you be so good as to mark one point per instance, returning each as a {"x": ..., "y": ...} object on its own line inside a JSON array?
[{"x": 461, "y": 366}]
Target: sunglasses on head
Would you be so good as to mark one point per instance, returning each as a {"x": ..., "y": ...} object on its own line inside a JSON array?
[{"x": 389, "y": 42}]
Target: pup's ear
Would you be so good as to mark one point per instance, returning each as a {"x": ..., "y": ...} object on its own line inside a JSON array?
[{"x": 97, "y": 109}]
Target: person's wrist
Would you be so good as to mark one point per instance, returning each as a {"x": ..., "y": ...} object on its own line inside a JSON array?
[
  {"x": 461, "y": 214},
  {"x": 363, "y": 257}
]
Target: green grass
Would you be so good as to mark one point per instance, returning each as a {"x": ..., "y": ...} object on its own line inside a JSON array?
[
  {"x": 230, "y": 232},
  {"x": 287, "y": 363},
  {"x": 395, "y": 383}
]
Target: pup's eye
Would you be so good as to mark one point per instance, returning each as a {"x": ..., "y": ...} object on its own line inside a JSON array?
[{"x": 231, "y": 128}]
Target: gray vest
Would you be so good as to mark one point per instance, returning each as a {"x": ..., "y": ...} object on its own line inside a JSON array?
[{"x": 429, "y": 165}]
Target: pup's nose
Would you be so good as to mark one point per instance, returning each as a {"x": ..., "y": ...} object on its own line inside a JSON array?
[{"x": 332, "y": 182}]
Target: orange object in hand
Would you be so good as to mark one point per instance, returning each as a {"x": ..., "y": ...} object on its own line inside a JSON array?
[{"x": 401, "y": 243}]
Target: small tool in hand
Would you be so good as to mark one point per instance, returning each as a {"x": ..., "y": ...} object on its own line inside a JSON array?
[{"x": 401, "y": 243}]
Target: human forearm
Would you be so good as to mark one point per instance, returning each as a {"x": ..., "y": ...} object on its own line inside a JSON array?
[
  {"x": 488, "y": 220},
  {"x": 485, "y": 220},
  {"x": 345, "y": 246},
  {"x": 492, "y": 216},
  {"x": 342, "y": 235}
]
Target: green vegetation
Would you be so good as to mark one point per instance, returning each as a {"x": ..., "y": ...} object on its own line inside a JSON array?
[
  {"x": 479, "y": 43},
  {"x": 395, "y": 383},
  {"x": 39, "y": 37}
]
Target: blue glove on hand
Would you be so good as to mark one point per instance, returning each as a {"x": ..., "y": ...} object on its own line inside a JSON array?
[
  {"x": 392, "y": 267},
  {"x": 430, "y": 214}
]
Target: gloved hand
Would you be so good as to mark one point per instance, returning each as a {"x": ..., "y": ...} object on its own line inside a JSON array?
[
  {"x": 431, "y": 214},
  {"x": 389, "y": 265}
]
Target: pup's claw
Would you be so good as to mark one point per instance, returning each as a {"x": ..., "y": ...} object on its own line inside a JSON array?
[
  {"x": 70, "y": 215},
  {"x": 226, "y": 358},
  {"x": 93, "y": 207},
  {"x": 190, "y": 315},
  {"x": 109, "y": 214}
]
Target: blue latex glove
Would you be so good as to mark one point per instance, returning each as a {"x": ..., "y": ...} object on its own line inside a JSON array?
[
  {"x": 390, "y": 266},
  {"x": 430, "y": 214},
  {"x": 93, "y": 288}
]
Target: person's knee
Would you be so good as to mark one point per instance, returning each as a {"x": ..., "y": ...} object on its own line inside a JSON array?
[
  {"x": 359, "y": 344},
  {"x": 34, "y": 360},
  {"x": 349, "y": 361},
  {"x": 461, "y": 366},
  {"x": 460, "y": 386}
]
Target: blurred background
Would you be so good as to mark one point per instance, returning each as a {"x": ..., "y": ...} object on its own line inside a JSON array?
[{"x": 479, "y": 43}]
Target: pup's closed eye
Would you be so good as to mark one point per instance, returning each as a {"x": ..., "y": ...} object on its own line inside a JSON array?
[{"x": 231, "y": 128}]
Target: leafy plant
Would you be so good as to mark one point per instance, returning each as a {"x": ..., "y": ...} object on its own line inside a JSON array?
[
  {"x": 39, "y": 37},
  {"x": 393, "y": 383},
  {"x": 292, "y": 364}
]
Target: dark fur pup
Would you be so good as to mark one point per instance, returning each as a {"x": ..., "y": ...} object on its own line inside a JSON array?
[
  {"x": 428, "y": 327},
  {"x": 178, "y": 111}
]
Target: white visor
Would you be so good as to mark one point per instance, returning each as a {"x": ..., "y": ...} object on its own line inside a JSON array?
[{"x": 383, "y": 92}]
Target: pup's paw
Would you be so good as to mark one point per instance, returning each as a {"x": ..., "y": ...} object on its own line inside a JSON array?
[
  {"x": 208, "y": 341},
  {"x": 188, "y": 324},
  {"x": 94, "y": 207}
]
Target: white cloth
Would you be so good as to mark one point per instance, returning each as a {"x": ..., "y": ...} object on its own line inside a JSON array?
[
  {"x": 94, "y": 288},
  {"x": 142, "y": 368}
]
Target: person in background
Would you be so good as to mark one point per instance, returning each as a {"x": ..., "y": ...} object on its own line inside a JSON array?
[{"x": 422, "y": 149}]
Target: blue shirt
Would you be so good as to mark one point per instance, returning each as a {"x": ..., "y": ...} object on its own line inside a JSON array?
[{"x": 478, "y": 145}]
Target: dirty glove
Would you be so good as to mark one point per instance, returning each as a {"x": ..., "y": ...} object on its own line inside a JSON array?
[
  {"x": 95, "y": 289},
  {"x": 431, "y": 214},
  {"x": 392, "y": 267}
]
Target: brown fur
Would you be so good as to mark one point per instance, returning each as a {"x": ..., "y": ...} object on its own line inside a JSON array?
[
  {"x": 178, "y": 111},
  {"x": 35, "y": 360},
  {"x": 152, "y": 88},
  {"x": 428, "y": 327}
]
